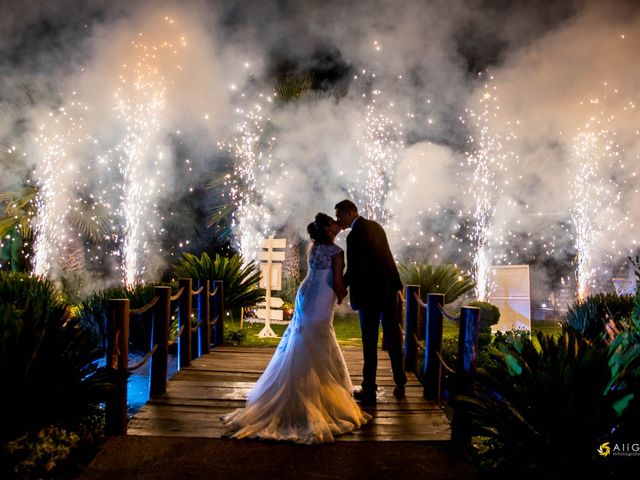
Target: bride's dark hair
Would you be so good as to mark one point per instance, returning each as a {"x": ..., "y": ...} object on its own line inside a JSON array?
[{"x": 316, "y": 229}]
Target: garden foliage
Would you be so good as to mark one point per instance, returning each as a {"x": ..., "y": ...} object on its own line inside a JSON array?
[
  {"x": 541, "y": 409},
  {"x": 588, "y": 317},
  {"x": 240, "y": 280},
  {"x": 94, "y": 309},
  {"x": 47, "y": 365},
  {"x": 446, "y": 279}
]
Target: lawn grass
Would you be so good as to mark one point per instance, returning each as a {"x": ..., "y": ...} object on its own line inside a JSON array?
[{"x": 347, "y": 327}]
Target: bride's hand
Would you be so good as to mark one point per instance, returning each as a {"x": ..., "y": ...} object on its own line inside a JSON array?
[{"x": 341, "y": 294}]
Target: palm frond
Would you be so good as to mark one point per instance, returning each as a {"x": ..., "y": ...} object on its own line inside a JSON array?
[
  {"x": 240, "y": 280},
  {"x": 446, "y": 279},
  {"x": 293, "y": 86}
]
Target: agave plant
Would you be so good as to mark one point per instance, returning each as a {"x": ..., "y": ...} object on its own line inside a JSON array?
[
  {"x": 446, "y": 279},
  {"x": 589, "y": 317},
  {"x": 541, "y": 410},
  {"x": 47, "y": 357},
  {"x": 240, "y": 280}
]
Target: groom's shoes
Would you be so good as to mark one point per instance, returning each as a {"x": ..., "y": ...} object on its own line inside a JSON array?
[
  {"x": 398, "y": 391},
  {"x": 365, "y": 397}
]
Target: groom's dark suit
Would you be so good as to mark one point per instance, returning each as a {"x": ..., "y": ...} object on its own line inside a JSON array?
[{"x": 374, "y": 283}]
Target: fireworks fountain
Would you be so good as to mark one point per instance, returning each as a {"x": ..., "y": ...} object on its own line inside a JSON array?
[
  {"x": 488, "y": 161},
  {"x": 250, "y": 181},
  {"x": 594, "y": 194},
  {"x": 57, "y": 141},
  {"x": 380, "y": 144},
  {"x": 140, "y": 103}
]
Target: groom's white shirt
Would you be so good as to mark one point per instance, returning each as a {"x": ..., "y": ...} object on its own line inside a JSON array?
[{"x": 354, "y": 221}]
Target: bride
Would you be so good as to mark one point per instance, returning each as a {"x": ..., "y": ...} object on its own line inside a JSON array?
[{"x": 304, "y": 394}]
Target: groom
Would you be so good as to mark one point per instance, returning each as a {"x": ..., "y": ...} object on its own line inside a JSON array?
[{"x": 374, "y": 284}]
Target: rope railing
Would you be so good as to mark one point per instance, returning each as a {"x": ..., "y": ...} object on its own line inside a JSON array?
[
  {"x": 419, "y": 343},
  {"x": 141, "y": 310},
  {"x": 177, "y": 337},
  {"x": 146, "y": 358},
  {"x": 448, "y": 315},
  {"x": 189, "y": 334},
  {"x": 419, "y": 300},
  {"x": 431, "y": 323},
  {"x": 444, "y": 364},
  {"x": 177, "y": 295}
]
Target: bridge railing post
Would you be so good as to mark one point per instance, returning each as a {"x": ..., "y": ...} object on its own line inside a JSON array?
[
  {"x": 466, "y": 369},
  {"x": 410, "y": 325},
  {"x": 160, "y": 358},
  {"x": 184, "y": 322},
  {"x": 204, "y": 315},
  {"x": 218, "y": 312},
  {"x": 432, "y": 370},
  {"x": 117, "y": 361}
]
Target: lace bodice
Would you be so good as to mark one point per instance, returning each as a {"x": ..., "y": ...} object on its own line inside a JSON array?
[{"x": 320, "y": 255}]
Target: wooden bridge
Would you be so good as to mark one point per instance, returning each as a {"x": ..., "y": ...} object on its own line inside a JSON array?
[
  {"x": 191, "y": 403},
  {"x": 219, "y": 382}
]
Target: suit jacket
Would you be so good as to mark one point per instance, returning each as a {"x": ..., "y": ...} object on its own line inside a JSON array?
[{"x": 372, "y": 275}]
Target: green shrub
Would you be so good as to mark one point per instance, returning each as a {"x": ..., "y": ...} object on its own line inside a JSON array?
[
  {"x": 489, "y": 316},
  {"x": 588, "y": 317},
  {"x": 35, "y": 454},
  {"x": 234, "y": 336},
  {"x": 542, "y": 408},
  {"x": 240, "y": 280},
  {"x": 47, "y": 358},
  {"x": 94, "y": 309},
  {"x": 446, "y": 279}
]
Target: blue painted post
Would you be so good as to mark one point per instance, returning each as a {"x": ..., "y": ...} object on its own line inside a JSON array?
[
  {"x": 410, "y": 325},
  {"x": 432, "y": 372},
  {"x": 466, "y": 369},
  {"x": 184, "y": 321}
]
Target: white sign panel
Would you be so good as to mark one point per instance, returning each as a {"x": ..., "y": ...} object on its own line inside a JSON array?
[
  {"x": 263, "y": 256},
  {"x": 274, "y": 302},
  {"x": 276, "y": 275},
  {"x": 273, "y": 314},
  {"x": 512, "y": 295},
  {"x": 275, "y": 243}
]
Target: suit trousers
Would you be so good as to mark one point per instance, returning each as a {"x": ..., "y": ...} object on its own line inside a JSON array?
[{"x": 370, "y": 320}]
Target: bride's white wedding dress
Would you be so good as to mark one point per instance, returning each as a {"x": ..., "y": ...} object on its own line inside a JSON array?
[{"x": 304, "y": 394}]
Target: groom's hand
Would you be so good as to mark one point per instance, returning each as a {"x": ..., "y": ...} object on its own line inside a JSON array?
[{"x": 341, "y": 294}]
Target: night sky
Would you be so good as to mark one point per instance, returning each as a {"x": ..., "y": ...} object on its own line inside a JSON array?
[{"x": 552, "y": 70}]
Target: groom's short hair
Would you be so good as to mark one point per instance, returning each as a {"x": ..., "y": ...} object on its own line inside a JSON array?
[{"x": 346, "y": 206}]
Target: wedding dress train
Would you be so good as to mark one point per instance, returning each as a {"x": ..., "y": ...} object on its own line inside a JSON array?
[{"x": 304, "y": 394}]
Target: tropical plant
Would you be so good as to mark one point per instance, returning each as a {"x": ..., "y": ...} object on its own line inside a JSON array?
[
  {"x": 446, "y": 279},
  {"x": 542, "y": 408},
  {"x": 94, "y": 309},
  {"x": 625, "y": 363},
  {"x": 240, "y": 280},
  {"x": 47, "y": 358},
  {"x": 489, "y": 316},
  {"x": 590, "y": 316}
]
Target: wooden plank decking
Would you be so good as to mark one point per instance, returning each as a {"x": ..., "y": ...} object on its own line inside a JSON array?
[{"x": 218, "y": 383}]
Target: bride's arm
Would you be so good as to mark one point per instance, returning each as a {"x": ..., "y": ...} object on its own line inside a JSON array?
[{"x": 339, "y": 285}]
